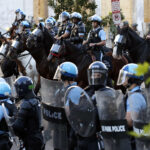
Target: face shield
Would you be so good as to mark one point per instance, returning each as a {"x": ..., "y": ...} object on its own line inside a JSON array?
[
  {"x": 123, "y": 77},
  {"x": 18, "y": 16},
  {"x": 57, "y": 75},
  {"x": 48, "y": 25},
  {"x": 62, "y": 18},
  {"x": 97, "y": 77}
]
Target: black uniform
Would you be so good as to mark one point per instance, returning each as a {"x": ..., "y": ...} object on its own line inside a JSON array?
[{"x": 28, "y": 124}]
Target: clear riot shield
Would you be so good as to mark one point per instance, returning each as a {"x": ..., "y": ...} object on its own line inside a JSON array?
[
  {"x": 80, "y": 111},
  {"x": 141, "y": 119},
  {"x": 9, "y": 120},
  {"x": 54, "y": 118},
  {"x": 10, "y": 81},
  {"x": 111, "y": 115}
]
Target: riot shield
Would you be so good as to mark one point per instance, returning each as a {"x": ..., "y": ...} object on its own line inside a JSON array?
[
  {"x": 9, "y": 120},
  {"x": 54, "y": 118},
  {"x": 10, "y": 81},
  {"x": 80, "y": 111},
  {"x": 111, "y": 115},
  {"x": 141, "y": 119}
]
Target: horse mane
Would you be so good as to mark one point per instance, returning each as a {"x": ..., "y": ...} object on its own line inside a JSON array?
[{"x": 129, "y": 30}]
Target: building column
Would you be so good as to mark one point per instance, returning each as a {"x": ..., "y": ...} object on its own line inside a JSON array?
[
  {"x": 146, "y": 11},
  {"x": 40, "y": 9}
]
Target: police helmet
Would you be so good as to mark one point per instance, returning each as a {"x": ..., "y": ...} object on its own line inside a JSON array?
[
  {"x": 129, "y": 72},
  {"x": 23, "y": 86},
  {"x": 76, "y": 15},
  {"x": 53, "y": 19},
  {"x": 5, "y": 90},
  {"x": 97, "y": 73},
  {"x": 66, "y": 71},
  {"x": 64, "y": 16},
  {"x": 49, "y": 23},
  {"x": 96, "y": 18}
]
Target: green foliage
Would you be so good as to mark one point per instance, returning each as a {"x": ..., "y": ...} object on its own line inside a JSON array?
[
  {"x": 143, "y": 69},
  {"x": 85, "y": 7},
  {"x": 108, "y": 22},
  {"x": 145, "y": 134}
]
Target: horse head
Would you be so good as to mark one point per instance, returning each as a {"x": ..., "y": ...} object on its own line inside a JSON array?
[
  {"x": 36, "y": 37},
  {"x": 18, "y": 46},
  {"x": 126, "y": 40}
]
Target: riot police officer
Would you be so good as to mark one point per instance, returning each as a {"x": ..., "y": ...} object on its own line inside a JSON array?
[
  {"x": 64, "y": 29},
  {"x": 5, "y": 93},
  {"x": 97, "y": 79},
  {"x": 96, "y": 37},
  {"x": 67, "y": 72},
  {"x": 77, "y": 30},
  {"x": 55, "y": 28},
  {"x": 49, "y": 25},
  {"x": 135, "y": 100},
  {"x": 28, "y": 124}
]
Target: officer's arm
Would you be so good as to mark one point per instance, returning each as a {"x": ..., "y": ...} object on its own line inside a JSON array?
[{"x": 129, "y": 119}]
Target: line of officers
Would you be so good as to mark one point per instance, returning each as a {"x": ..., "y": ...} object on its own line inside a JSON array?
[
  {"x": 69, "y": 27},
  {"x": 27, "y": 119}
]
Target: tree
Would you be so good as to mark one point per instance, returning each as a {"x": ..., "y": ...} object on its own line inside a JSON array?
[{"x": 85, "y": 7}]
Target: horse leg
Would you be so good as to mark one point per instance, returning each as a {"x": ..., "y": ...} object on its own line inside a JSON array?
[{"x": 38, "y": 85}]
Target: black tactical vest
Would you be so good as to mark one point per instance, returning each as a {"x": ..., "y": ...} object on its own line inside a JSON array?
[{"x": 93, "y": 37}]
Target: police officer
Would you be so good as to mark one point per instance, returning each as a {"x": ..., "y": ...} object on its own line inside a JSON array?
[
  {"x": 134, "y": 27},
  {"x": 97, "y": 79},
  {"x": 67, "y": 72},
  {"x": 24, "y": 26},
  {"x": 28, "y": 124},
  {"x": 77, "y": 30},
  {"x": 55, "y": 28},
  {"x": 64, "y": 29},
  {"x": 135, "y": 100},
  {"x": 96, "y": 38},
  {"x": 49, "y": 25},
  {"x": 5, "y": 93}
]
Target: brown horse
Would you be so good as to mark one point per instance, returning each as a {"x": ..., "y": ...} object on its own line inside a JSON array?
[{"x": 83, "y": 60}]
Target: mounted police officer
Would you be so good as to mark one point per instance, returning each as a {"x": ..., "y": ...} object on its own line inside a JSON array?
[
  {"x": 55, "y": 28},
  {"x": 49, "y": 25},
  {"x": 64, "y": 29},
  {"x": 67, "y": 72},
  {"x": 134, "y": 27},
  {"x": 28, "y": 124},
  {"x": 5, "y": 93},
  {"x": 96, "y": 37},
  {"x": 77, "y": 30}
]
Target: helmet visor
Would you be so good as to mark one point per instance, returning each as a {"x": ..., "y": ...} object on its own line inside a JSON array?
[
  {"x": 49, "y": 25},
  {"x": 123, "y": 76},
  {"x": 57, "y": 75},
  {"x": 62, "y": 18},
  {"x": 18, "y": 16},
  {"x": 97, "y": 77}
]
